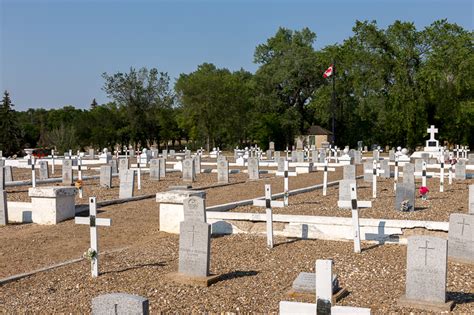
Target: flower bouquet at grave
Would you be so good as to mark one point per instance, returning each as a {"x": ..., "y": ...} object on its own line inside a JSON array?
[
  {"x": 405, "y": 206},
  {"x": 424, "y": 192},
  {"x": 90, "y": 254}
]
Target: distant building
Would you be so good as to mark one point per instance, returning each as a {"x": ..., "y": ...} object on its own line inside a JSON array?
[{"x": 315, "y": 135}]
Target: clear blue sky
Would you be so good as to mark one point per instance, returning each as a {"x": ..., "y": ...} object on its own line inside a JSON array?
[{"x": 53, "y": 52}]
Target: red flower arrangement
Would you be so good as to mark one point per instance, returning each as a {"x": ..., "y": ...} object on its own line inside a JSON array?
[{"x": 423, "y": 191}]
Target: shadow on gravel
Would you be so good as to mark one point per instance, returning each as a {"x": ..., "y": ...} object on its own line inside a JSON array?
[
  {"x": 238, "y": 274},
  {"x": 158, "y": 264},
  {"x": 460, "y": 297}
]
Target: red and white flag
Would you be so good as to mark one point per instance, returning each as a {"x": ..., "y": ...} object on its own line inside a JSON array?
[{"x": 328, "y": 72}]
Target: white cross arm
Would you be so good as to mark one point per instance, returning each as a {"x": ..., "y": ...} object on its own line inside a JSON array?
[
  {"x": 273, "y": 203},
  {"x": 98, "y": 221},
  {"x": 360, "y": 204},
  {"x": 426, "y": 173},
  {"x": 283, "y": 174}
]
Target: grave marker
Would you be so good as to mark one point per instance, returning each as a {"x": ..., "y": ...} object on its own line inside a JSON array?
[
  {"x": 3, "y": 199},
  {"x": 268, "y": 203},
  {"x": 67, "y": 172},
  {"x": 222, "y": 172},
  {"x": 106, "y": 176},
  {"x": 326, "y": 169},
  {"x": 123, "y": 165},
  {"x": 426, "y": 273},
  {"x": 189, "y": 172},
  {"x": 162, "y": 167},
  {"x": 120, "y": 304},
  {"x": 461, "y": 238},
  {"x": 385, "y": 167},
  {"x": 127, "y": 184},
  {"x": 323, "y": 286},
  {"x": 43, "y": 170},
  {"x": 8, "y": 173},
  {"x": 471, "y": 199},
  {"x": 253, "y": 169},
  {"x": 349, "y": 172},
  {"x": 154, "y": 169},
  {"x": 409, "y": 173},
  {"x": 460, "y": 170},
  {"x": 405, "y": 197},
  {"x": 93, "y": 222}
]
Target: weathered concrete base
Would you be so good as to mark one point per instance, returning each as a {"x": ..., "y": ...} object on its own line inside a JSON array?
[
  {"x": 461, "y": 261},
  {"x": 431, "y": 306},
  {"x": 336, "y": 297},
  {"x": 190, "y": 280}
]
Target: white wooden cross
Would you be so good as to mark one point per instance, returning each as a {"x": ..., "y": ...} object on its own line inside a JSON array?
[
  {"x": 375, "y": 172},
  {"x": 268, "y": 203},
  {"x": 287, "y": 152},
  {"x": 33, "y": 173},
  {"x": 422, "y": 174},
  {"x": 355, "y": 205},
  {"x": 52, "y": 162},
  {"x": 441, "y": 176},
  {"x": 139, "y": 174},
  {"x": 395, "y": 176},
  {"x": 285, "y": 174},
  {"x": 93, "y": 222},
  {"x": 326, "y": 169},
  {"x": 457, "y": 150},
  {"x": 79, "y": 168}
]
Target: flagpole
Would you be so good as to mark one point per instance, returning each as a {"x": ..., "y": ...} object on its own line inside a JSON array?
[{"x": 334, "y": 102}]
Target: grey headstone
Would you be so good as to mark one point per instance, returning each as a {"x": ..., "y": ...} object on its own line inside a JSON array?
[
  {"x": 426, "y": 268},
  {"x": 405, "y": 194},
  {"x": 461, "y": 237},
  {"x": 299, "y": 156},
  {"x": 120, "y": 304},
  {"x": 425, "y": 156},
  {"x": 357, "y": 157},
  {"x": 127, "y": 184},
  {"x": 172, "y": 153},
  {"x": 281, "y": 164},
  {"x": 132, "y": 153},
  {"x": 67, "y": 172},
  {"x": 162, "y": 167},
  {"x": 409, "y": 173},
  {"x": 164, "y": 154},
  {"x": 3, "y": 208},
  {"x": 194, "y": 248},
  {"x": 114, "y": 165},
  {"x": 8, "y": 173},
  {"x": 271, "y": 146},
  {"x": 294, "y": 156},
  {"x": 91, "y": 153},
  {"x": 368, "y": 167},
  {"x": 314, "y": 156},
  {"x": 391, "y": 155},
  {"x": 322, "y": 155},
  {"x": 349, "y": 172},
  {"x": 460, "y": 170},
  {"x": 418, "y": 165},
  {"x": 253, "y": 169},
  {"x": 376, "y": 155},
  {"x": 2, "y": 178},
  {"x": 276, "y": 154},
  {"x": 269, "y": 154},
  {"x": 43, "y": 170},
  {"x": 2, "y": 162},
  {"x": 299, "y": 144},
  {"x": 386, "y": 168},
  {"x": 197, "y": 164},
  {"x": 471, "y": 199},
  {"x": 106, "y": 176},
  {"x": 222, "y": 172},
  {"x": 194, "y": 209},
  {"x": 189, "y": 174},
  {"x": 471, "y": 158},
  {"x": 123, "y": 165},
  {"x": 305, "y": 282},
  {"x": 345, "y": 189},
  {"x": 154, "y": 169}
]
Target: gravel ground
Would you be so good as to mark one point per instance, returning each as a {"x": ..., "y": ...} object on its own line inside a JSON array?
[{"x": 255, "y": 279}]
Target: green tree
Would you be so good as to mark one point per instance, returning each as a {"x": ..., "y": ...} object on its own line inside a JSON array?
[{"x": 11, "y": 133}]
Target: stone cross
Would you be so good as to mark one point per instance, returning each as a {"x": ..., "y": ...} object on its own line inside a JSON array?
[
  {"x": 93, "y": 222},
  {"x": 432, "y": 130},
  {"x": 326, "y": 169},
  {"x": 268, "y": 203},
  {"x": 355, "y": 205}
]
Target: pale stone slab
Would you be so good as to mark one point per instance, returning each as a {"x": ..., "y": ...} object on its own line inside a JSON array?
[
  {"x": 357, "y": 157},
  {"x": 189, "y": 173},
  {"x": 197, "y": 164},
  {"x": 299, "y": 308},
  {"x": 349, "y": 172},
  {"x": 461, "y": 237},
  {"x": 280, "y": 164},
  {"x": 368, "y": 167},
  {"x": 67, "y": 172},
  {"x": 409, "y": 173},
  {"x": 52, "y": 204},
  {"x": 345, "y": 189},
  {"x": 385, "y": 167},
  {"x": 418, "y": 165},
  {"x": 178, "y": 196},
  {"x": 127, "y": 184},
  {"x": 194, "y": 209},
  {"x": 322, "y": 156},
  {"x": 43, "y": 170},
  {"x": 162, "y": 167},
  {"x": 3, "y": 208},
  {"x": 253, "y": 169},
  {"x": 154, "y": 169},
  {"x": 305, "y": 282},
  {"x": 222, "y": 172},
  {"x": 2, "y": 178},
  {"x": 123, "y": 165},
  {"x": 114, "y": 165},
  {"x": 8, "y": 173},
  {"x": 194, "y": 248},
  {"x": 405, "y": 193},
  {"x": 120, "y": 304},
  {"x": 106, "y": 176},
  {"x": 460, "y": 170},
  {"x": 426, "y": 269}
]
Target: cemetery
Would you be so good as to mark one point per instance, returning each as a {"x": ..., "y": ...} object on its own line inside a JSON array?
[{"x": 301, "y": 172}]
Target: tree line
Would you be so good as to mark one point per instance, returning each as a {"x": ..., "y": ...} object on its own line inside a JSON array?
[{"x": 389, "y": 86}]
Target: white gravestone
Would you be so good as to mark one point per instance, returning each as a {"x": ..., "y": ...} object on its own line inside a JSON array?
[
  {"x": 222, "y": 172},
  {"x": 106, "y": 176},
  {"x": 471, "y": 199},
  {"x": 189, "y": 171},
  {"x": 461, "y": 238},
  {"x": 154, "y": 169},
  {"x": 120, "y": 304},
  {"x": 67, "y": 172},
  {"x": 127, "y": 184},
  {"x": 43, "y": 170},
  {"x": 253, "y": 169}
]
